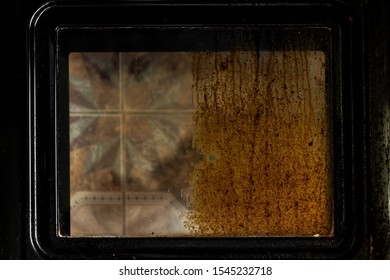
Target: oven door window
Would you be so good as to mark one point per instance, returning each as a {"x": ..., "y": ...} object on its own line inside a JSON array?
[{"x": 230, "y": 142}]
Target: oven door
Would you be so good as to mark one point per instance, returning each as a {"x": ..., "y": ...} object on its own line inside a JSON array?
[{"x": 202, "y": 130}]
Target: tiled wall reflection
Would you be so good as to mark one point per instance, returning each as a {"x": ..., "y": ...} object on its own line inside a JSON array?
[{"x": 130, "y": 142}]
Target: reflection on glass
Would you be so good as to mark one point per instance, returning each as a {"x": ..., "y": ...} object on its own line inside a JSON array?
[{"x": 200, "y": 144}]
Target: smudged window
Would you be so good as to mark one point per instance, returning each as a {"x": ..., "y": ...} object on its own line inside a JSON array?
[{"x": 233, "y": 142}]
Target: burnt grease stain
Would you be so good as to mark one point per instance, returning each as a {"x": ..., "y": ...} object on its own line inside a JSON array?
[{"x": 262, "y": 126}]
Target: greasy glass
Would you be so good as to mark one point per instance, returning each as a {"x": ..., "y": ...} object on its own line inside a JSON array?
[{"x": 219, "y": 143}]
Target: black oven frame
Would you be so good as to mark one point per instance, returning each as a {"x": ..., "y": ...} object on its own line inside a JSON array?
[{"x": 54, "y": 33}]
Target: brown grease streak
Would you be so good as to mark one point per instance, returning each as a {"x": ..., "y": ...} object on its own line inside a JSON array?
[{"x": 265, "y": 140}]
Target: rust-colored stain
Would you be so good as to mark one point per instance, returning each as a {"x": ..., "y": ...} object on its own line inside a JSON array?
[{"x": 262, "y": 124}]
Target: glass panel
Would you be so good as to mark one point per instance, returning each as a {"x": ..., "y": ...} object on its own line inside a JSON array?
[{"x": 200, "y": 144}]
